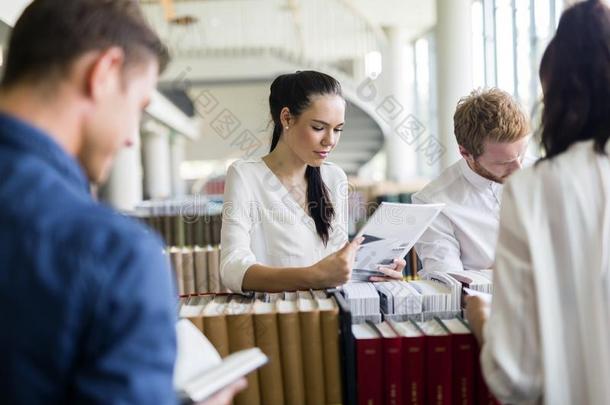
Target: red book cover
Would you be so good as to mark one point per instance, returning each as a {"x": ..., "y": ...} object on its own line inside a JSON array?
[
  {"x": 413, "y": 360},
  {"x": 483, "y": 395},
  {"x": 464, "y": 349},
  {"x": 369, "y": 364},
  {"x": 392, "y": 364},
  {"x": 439, "y": 363}
]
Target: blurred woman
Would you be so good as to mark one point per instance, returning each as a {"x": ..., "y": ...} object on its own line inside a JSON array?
[{"x": 547, "y": 336}]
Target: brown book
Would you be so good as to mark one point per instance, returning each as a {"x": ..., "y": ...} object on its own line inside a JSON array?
[
  {"x": 329, "y": 321},
  {"x": 188, "y": 271},
  {"x": 216, "y": 225},
  {"x": 215, "y": 325},
  {"x": 268, "y": 340},
  {"x": 311, "y": 346},
  {"x": 213, "y": 269},
  {"x": 240, "y": 324},
  {"x": 292, "y": 360},
  {"x": 200, "y": 260},
  {"x": 175, "y": 255}
]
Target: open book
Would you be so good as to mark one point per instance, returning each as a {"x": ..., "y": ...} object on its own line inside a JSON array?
[
  {"x": 200, "y": 372},
  {"x": 389, "y": 234}
]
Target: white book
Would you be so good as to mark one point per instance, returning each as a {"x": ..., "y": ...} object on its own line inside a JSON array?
[
  {"x": 200, "y": 372},
  {"x": 390, "y": 233}
]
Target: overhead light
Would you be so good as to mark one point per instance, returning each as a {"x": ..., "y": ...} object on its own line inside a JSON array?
[{"x": 372, "y": 64}]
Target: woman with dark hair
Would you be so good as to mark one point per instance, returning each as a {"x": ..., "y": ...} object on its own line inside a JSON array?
[
  {"x": 547, "y": 336},
  {"x": 284, "y": 221}
]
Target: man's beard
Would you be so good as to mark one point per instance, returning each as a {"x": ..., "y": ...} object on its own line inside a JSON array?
[{"x": 483, "y": 172}]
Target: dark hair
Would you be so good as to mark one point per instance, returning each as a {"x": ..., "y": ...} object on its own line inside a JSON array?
[
  {"x": 575, "y": 74},
  {"x": 295, "y": 91},
  {"x": 51, "y": 34}
]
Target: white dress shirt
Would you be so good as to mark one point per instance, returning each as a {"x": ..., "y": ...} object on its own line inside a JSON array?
[
  {"x": 262, "y": 223},
  {"x": 548, "y": 336},
  {"x": 463, "y": 236}
]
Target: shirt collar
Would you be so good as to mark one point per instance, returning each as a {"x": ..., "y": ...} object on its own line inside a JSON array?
[
  {"x": 477, "y": 180},
  {"x": 24, "y": 136}
]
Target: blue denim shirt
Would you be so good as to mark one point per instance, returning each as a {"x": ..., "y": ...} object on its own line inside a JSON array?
[{"x": 86, "y": 299}]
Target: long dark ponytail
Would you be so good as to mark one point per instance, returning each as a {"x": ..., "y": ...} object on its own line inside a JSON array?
[{"x": 295, "y": 91}]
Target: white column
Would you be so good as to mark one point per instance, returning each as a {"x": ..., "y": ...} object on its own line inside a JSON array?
[
  {"x": 156, "y": 161},
  {"x": 123, "y": 190},
  {"x": 177, "y": 151},
  {"x": 454, "y": 67},
  {"x": 398, "y": 97}
]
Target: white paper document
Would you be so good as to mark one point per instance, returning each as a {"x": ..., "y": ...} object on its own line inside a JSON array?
[{"x": 390, "y": 233}]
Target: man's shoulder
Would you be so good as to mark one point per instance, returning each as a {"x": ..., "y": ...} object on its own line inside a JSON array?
[{"x": 439, "y": 189}]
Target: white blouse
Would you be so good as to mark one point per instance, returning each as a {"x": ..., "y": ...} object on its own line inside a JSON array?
[
  {"x": 262, "y": 223},
  {"x": 547, "y": 339}
]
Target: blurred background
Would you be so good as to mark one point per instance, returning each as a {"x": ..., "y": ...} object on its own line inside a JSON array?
[{"x": 403, "y": 65}]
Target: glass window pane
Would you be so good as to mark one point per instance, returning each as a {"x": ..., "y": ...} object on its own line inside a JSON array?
[
  {"x": 478, "y": 44},
  {"x": 524, "y": 53},
  {"x": 505, "y": 46}
]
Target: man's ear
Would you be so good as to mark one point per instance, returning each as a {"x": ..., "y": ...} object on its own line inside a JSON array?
[
  {"x": 465, "y": 154},
  {"x": 104, "y": 73}
]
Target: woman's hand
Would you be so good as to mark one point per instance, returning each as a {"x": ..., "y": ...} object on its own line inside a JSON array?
[
  {"x": 336, "y": 269},
  {"x": 393, "y": 272}
]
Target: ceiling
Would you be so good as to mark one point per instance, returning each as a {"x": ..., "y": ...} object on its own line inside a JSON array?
[{"x": 326, "y": 31}]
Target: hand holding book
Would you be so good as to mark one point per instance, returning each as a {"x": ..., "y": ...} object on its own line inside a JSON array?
[
  {"x": 335, "y": 269},
  {"x": 391, "y": 272},
  {"x": 225, "y": 397}
]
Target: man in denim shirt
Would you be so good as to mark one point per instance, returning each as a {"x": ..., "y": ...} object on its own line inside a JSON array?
[{"x": 87, "y": 306}]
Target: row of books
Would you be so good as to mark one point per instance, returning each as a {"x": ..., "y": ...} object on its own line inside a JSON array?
[
  {"x": 434, "y": 294},
  {"x": 428, "y": 362},
  {"x": 180, "y": 230},
  {"x": 297, "y": 331},
  {"x": 187, "y": 221},
  {"x": 196, "y": 270}
]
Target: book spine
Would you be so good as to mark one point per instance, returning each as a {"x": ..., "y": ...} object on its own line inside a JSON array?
[
  {"x": 270, "y": 375},
  {"x": 483, "y": 395},
  {"x": 463, "y": 369},
  {"x": 392, "y": 366},
  {"x": 213, "y": 270},
  {"x": 201, "y": 271},
  {"x": 217, "y": 333},
  {"x": 332, "y": 359},
  {"x": 176, "y": 259},
  {"x": 369, "y": 372},
  {"x": 241, "y": 336},
  {"x": 347, "y": 350},
  {"x": 292, "y": 360},
  {"x": 413, "y": 350},
  {"x": 313, "y": 365},
  {"x": 188, "y": 271},
  {"x": 439, "y": 370}
]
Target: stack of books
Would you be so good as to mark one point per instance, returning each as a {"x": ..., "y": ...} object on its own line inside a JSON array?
[
  {"x": 428, "y": 362},
  {"x": 189, "y": 221},
  {"x": 297, "y": 331},
  {"x": 196, "y": 270},
  {"x": 439, "y": 296}
]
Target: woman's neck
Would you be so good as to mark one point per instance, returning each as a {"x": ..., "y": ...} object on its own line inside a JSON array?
[{"x": 286, "y": 165}]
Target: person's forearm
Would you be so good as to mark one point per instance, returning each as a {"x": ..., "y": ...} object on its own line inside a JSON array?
[{"x": 278, "y": 279}]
